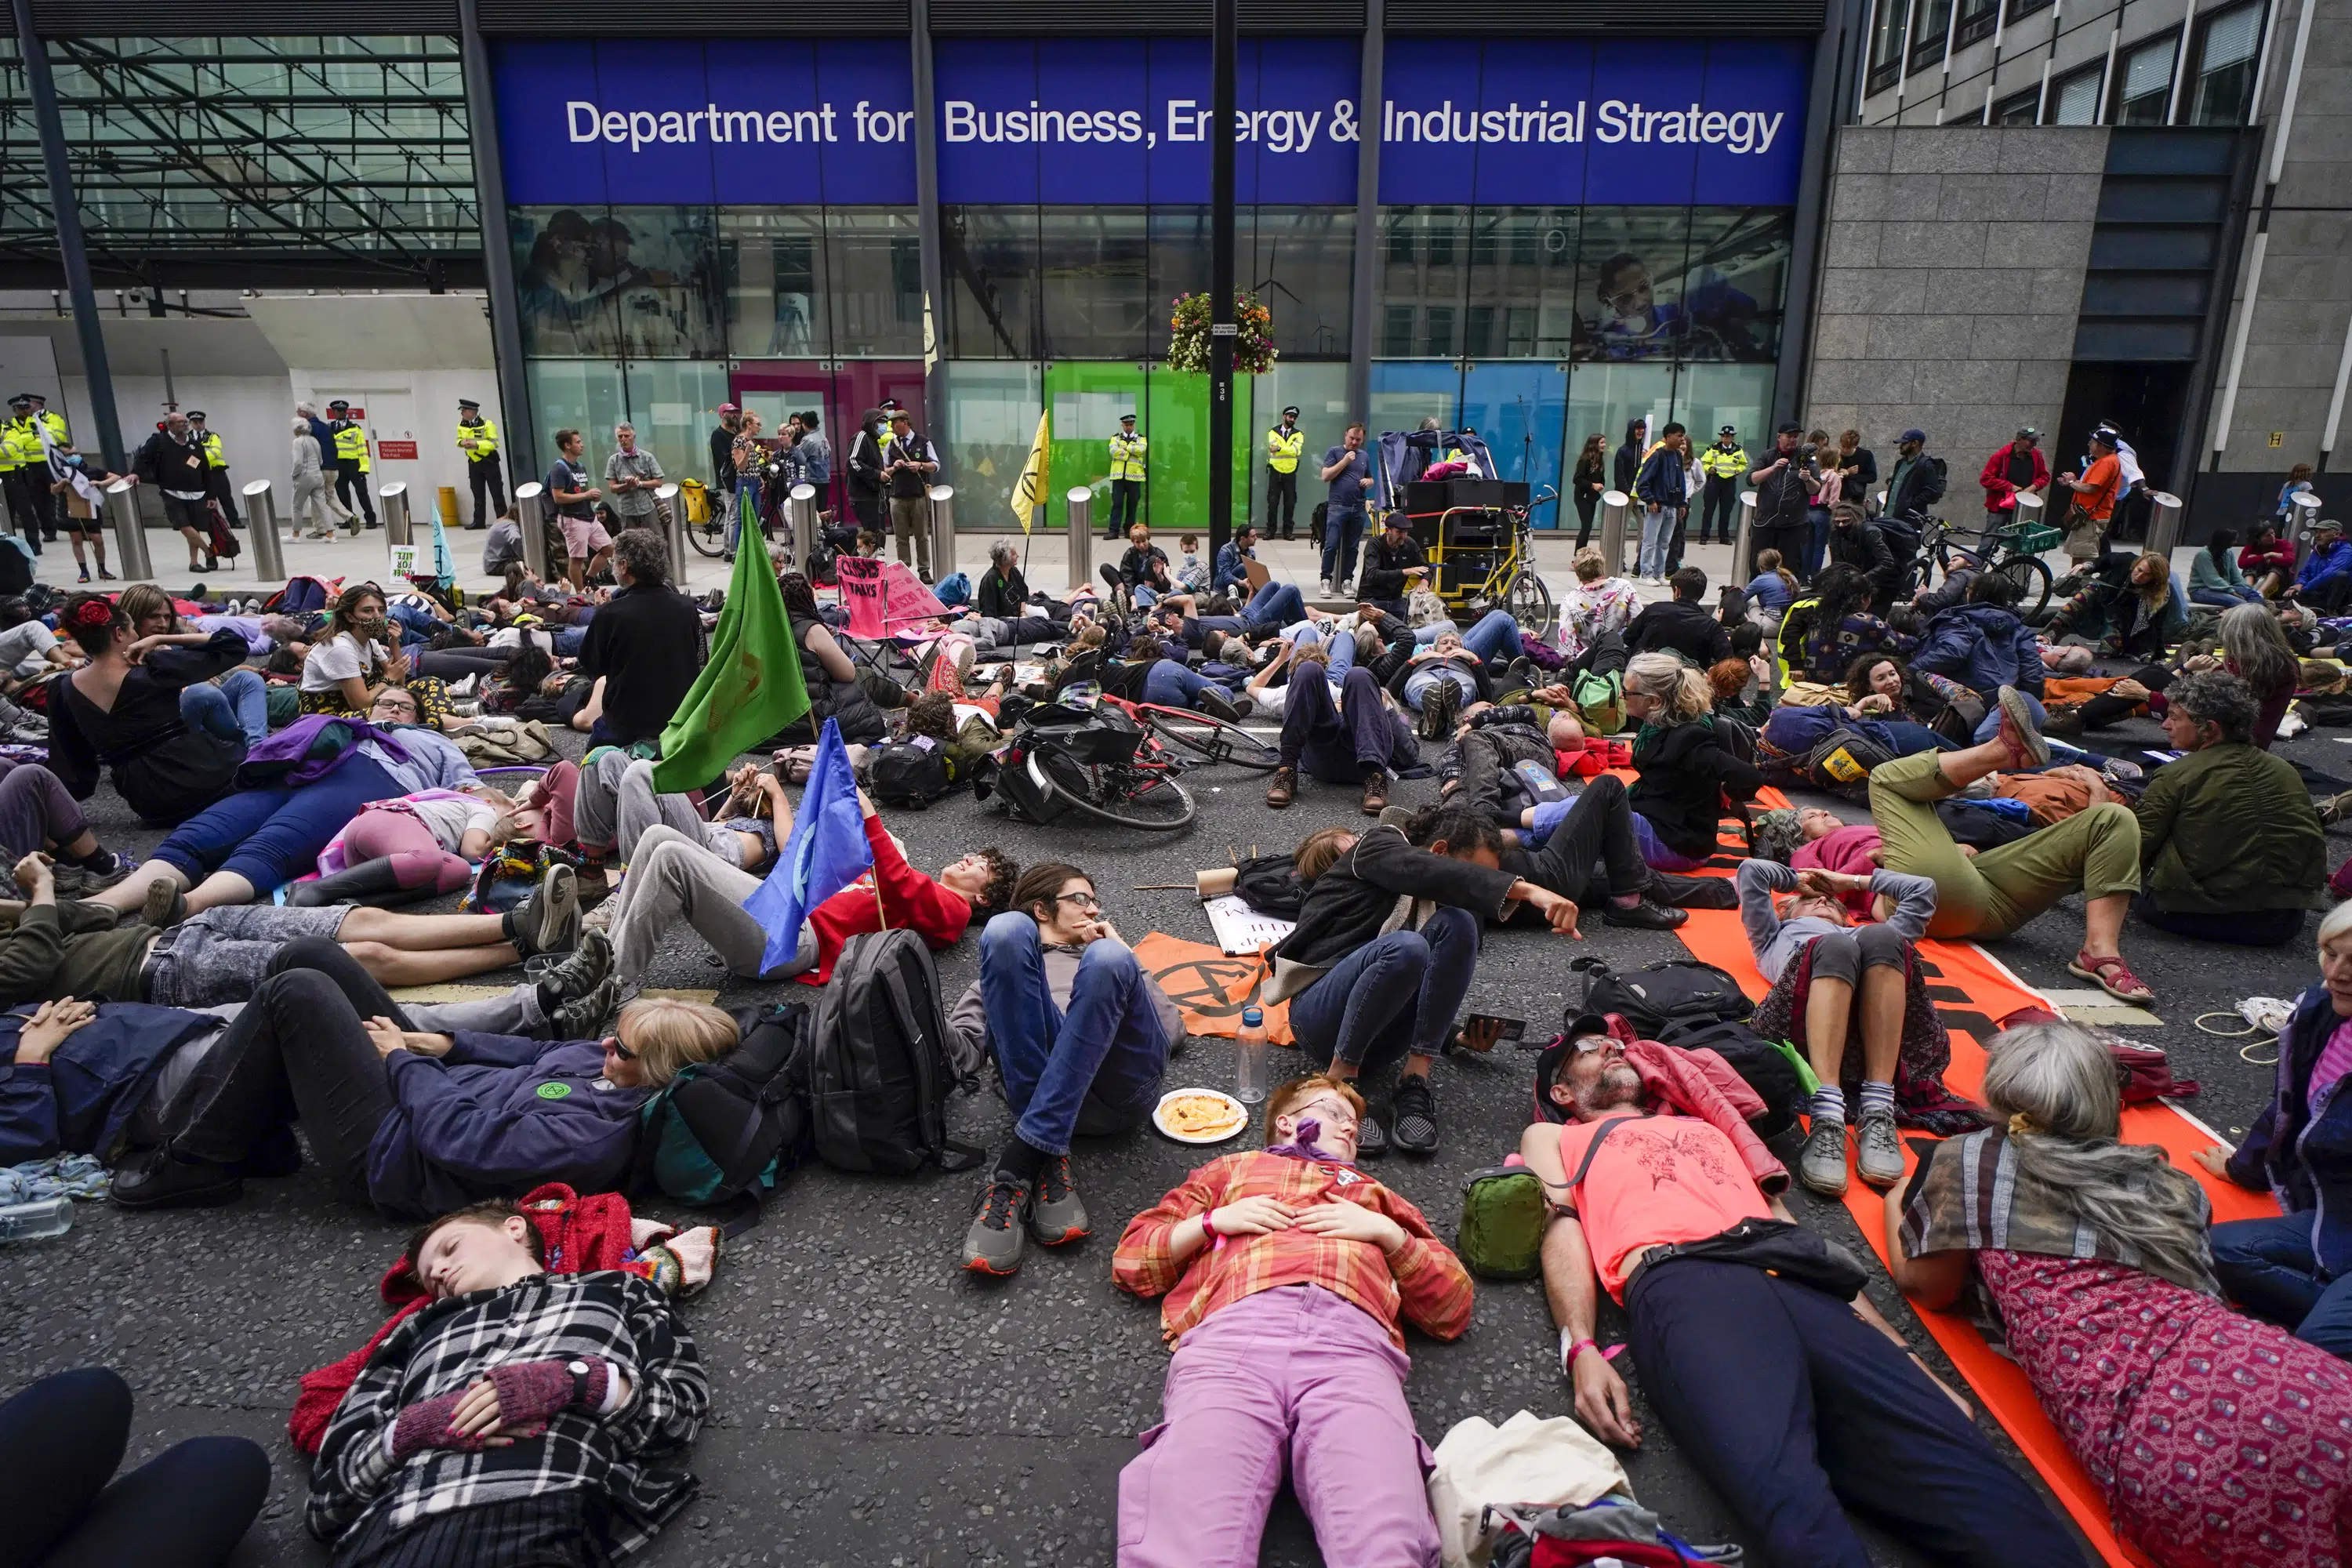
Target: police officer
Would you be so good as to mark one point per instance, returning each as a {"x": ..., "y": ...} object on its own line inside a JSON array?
[
  {"x": 54, "y": 424},
  {"x": 216, "y": 467},
  {"x": 1127, "y": 450},
  {"x": 1283, "y": 443},
  {"x": 350, "y": 457},
  {"x": 479, "y": 438},
  {"x": 1725, "y": 465},
  {"x": 25, "y": 473}
]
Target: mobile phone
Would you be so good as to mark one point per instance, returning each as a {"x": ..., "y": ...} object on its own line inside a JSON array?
[{"x": 1505, "y": 1028}]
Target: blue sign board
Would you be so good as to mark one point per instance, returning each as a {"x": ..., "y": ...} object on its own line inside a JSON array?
[{"x": 1124, "y": 121}]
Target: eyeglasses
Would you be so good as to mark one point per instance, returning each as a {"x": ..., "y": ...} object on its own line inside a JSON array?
[
  {"x": 613, "y": 1044},
  {"x": 1084, "y": 900}
]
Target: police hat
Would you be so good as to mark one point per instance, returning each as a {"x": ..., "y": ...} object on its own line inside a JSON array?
[
  {"x": 196, "y": 414},
  {"x": 887, "y": 403},
  {"x": 21, "y": 400},
  {"x": 469, "y": 402},
  {"x": 1126, "y": 418},
  {"x": 1290, "y": 413},
  {"x": 338, "y": 403},
  {"x": 1728, "y": 430}
]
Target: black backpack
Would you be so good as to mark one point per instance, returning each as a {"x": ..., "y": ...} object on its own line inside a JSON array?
[
  {"x": 1765, "y": 1068},
  {"x": 733, "y": 1128},
  {"x": 1840, "y": 762},
  {"x": 880, "y": 1065},
  {"x": 913, "y": 772},
  {"x": 1651, "y": 997}
]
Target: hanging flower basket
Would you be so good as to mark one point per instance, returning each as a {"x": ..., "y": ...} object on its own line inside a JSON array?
[{"x": 1188, "y": 349}]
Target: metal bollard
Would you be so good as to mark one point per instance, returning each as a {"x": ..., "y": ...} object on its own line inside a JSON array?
[
  {"x": 1740, "y": 570},
  {"x": 2164, "y": 523},
  {"x": 666, "y": 496},
  {"x": 800, "y": 507},
  {"x": 943, "y": 545},
  {"x": 1612, "y": 529},
  {"x": 2302, "y": 511},
  {"x": 130, "y": 533},
  {"x": 530, "y": 516},
  {"x": 1080, "y": 504},
  {"x": 394, "y": 502},
  {"x": 269, "y": 549}
]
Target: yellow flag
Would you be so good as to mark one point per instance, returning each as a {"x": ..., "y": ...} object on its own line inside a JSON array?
[{"x": 1029, "y": 490}]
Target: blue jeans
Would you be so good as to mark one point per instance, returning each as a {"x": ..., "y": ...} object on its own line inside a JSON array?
[
  {"x": 1145, "y": 598},
  {"x": 1339, "y": 648},
  {"x": 1656, "y": 852},
  {"x": 2224, "y": 598},
  {"x": 1394, "y": 996},
  {"x": 1657, "y": 529},
  {"x": 2266, "y": 1266},
  {"x": 746, "y": 505},
  {"x": 1817, "y": 540},
  {"x": 269, "y": 837},
  {"x": 236, "y": 710},
  {"x": 1096, "y": 1068},
  {"x": 1276, "y": 605},
  {"x": 1494, "y": 640},
  {"x": 1172, "y": 685},
  {"x": 568, "y": 640},
  {"x": 1343, "y": 530}
]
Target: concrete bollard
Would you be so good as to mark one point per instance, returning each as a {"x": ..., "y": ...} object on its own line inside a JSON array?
[
  {"x": 800, "y": 509},
  {"x": 943, "y": 545},
  {"x": 392, "y": 502},
  {"x": 261, "y": 527},
  {"x": 666, "y": 498},
  {"x": 1079, "y": 506},
  {"x": 530, "y": 516},
  {"x": 130, "y": 533},
  {"x": 1613, "y": 505}
]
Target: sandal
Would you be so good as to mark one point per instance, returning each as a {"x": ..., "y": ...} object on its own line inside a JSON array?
[{"x": 2111, "y": 976}]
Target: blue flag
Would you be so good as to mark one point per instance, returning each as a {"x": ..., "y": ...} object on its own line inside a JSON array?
[{"x": 826, "y": 852}]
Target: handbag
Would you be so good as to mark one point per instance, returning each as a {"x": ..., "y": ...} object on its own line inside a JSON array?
[{"x": 509, "y": 872}]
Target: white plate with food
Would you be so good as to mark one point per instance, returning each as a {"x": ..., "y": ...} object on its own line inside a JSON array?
[{"x": 1200, "y": 1115}]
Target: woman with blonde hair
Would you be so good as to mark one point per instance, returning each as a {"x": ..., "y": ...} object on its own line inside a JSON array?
[
  {"x": 1687, "y": 771},
  {"x": 1599, "y": 605},
  {"x": 2213, "y": 1439}
]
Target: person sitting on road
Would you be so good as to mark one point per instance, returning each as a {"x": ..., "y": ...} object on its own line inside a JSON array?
[
  {"x": 1682, "y": 625},
  {"x": 1558, "y": 844},
  {"x": 1855, "y": 987},
  {"x": 2231, "y": 850},
  {"x": 349, "y": 666},
  {"x": 2214, "y": 579},
  {"x": 1685, "y": 771},
  {"x": 1361, "y": 737},
  {"x": 838, "y": 689},
  {"x": 410, "y": 1121},
  {"x": 2138, "y": 618},
  {"x": 616, "y": 802},
  {"x": 1080, "y": 1035},
  {"x": 1921, "y": 707},
  {"x": 1773, "y": 588},
  {"x": 2324, "y": 582},
  {"x": 1285, "y": 1273},
  {"x": 2267, "y": 561},
  {"x": 1856, "y": 541},
  {"x": 2091, "y": 1254},
  {"x": 2253, "y": 647},
  {"x": 132, "y": 711},
  {"x": 1842, "y": 628},
  {"x": 1394, "y": 566},
  {"x": 1381, "y": 956},
  {"x": 523, "y": 1414},
  {"x": 2095, "y": 852},
  {"x": 1982, "y": 643},
  {"x": 1793, "y": 1402},
  {"x": 1598, "y": 605},
  {"x": 2295, "y": 1268}
]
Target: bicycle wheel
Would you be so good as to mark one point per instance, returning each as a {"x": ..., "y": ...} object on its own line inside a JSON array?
[
  {"x": 2032, "y": 580},
  {"x": 709, "y": 537},
  {"x": 1125, "y": 795},
  {"x": 1531, "y": 605},
  {"x": 1213, "y": 738}
]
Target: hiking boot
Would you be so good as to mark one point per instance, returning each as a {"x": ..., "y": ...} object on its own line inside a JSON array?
[
  {"x": 548, "y": 921},
  {"x": 1218, "y": 703},
  {"x": 1644, "y": 916},
  {"x": 2027, "y": 748},
  {"x": 1412, "y": 1112},
  {"x": 1056, "y": 1215},
  {"x": 164, "y": 1181},
  {"x": 992, "y": 1245},
  {"x": 582, "y": 1017},
  {"x": 1283, "y": 788},
  {"x": 2063, "y": 721},
  {"x": 1439, "y": 706},
  {"x": 1376, "y": 794},
  {"x": 577, "y": 974},
  {"x": 1823, "y": 1165},
  {"x": 1878, "y": 1152},
  {"x": 2336, "y": 808},
  {"x": 1371, "y": 1134}
]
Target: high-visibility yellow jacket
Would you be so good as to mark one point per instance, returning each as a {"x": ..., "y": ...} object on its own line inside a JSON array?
[
  {"x": 1126, "y": 456},
  {"x": 20, "y": 444},
  {"x": 55, "y": 423},
  {"x": 351, "y": 443},
  {"x": 483, "y": 434},
  {"x": 1282, "y": 451},
  {"x": 211, "y": 443},
  {"x": 1717, "y": 464}
]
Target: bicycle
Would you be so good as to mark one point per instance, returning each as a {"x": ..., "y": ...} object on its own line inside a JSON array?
[
  {"x": 1210, "y": 737},
  {"x": 1103, "y": 763},
  {"x": 1511, "y": 581},
  {"x": 2010, "y": 552}
]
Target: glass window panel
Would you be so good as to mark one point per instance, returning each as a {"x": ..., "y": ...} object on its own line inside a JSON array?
[
  {"x": 991, "y": 417},
  {"x": 1421, "y": 273},
  {"x": 1734, "y": 282},
  {"x": 1710, "y": 396},
  {"x": 564, "y": 310},
  {"x": 2225, "y": 66},
  {"x": 1406, "y": 392},
  {"x": 1320, "y": 392},
  {"x": 1092, "y": 279},
  {"x": 674, "y": 405},
  {"x": 585, "y": 396},
  {"x": 1935, "y": 24},
  {"x": 1302, "y": 265},
  {"x": 1602, "y": 397},
  {"x": 2076, "y": 100},
  {"x": 1629, "y": 271},
  {"x": 874, "y": 257},
  {"x": 774, "y": 263},
  {"x": 2145, "y": 82},
  {"x": 1519, "y": 409},
  {"x": 990, "y": 256},
  {"x": 1178, "y": 265},
  {"x": 2018, "y": 108},
  {"x": 1886, "y": 38},
  {"x": 1396, "y": 331},
  {"x": 1523, "y": 267},
  {"x": 660, "y": 268}
]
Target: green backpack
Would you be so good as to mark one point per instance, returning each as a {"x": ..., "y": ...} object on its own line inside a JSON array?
[
  {"x": 1600, "y": 698},
  {"x": 1503, "y": 1220}
]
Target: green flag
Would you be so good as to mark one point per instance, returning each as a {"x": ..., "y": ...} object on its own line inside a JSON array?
[{"x": 750, "y": 688}]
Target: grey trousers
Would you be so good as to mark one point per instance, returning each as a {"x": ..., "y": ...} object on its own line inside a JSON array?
[
  {"x": 673, "y": 877},
  {"x": 616, "y": 802}
]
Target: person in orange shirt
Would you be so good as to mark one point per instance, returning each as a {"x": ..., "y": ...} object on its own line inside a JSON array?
[
  {"x": 1788, "y": 1390},
  {"x": 2096, "y": 490}
]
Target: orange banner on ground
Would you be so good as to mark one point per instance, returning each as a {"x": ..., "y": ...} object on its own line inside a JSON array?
[{"x": 1209, "y": 987}]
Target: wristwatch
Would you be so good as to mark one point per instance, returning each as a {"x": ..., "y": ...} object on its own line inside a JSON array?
[{"x": 579, "y": 1370}]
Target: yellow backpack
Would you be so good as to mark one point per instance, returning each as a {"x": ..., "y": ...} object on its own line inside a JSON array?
[{"x": 696, "y": 499}]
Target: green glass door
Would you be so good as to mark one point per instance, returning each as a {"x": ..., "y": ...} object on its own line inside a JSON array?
[
  {"x": 1171, "y": 411},
  {"x": 1087, "y": 397}
]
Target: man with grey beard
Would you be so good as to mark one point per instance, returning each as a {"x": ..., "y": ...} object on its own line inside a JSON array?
[{"x": 1756, "y": 1345}]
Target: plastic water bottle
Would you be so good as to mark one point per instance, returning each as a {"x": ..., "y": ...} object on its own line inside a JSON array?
[
  {"x": 1249, "y": 1056},
  {"x": 54, "y": 1217}
]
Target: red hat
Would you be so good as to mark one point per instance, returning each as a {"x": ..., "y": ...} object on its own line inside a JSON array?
[{"x": 729, "y": 408}]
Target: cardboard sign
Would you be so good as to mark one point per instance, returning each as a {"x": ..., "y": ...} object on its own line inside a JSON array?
[
  {"x": 408, "y": 561},
  {"x": 396, "y": 452}
]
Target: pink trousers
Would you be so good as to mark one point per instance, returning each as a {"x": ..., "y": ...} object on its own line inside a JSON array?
[
  {"x": 418, "y": 858},
  {"x": 1298, "y": 1377}
]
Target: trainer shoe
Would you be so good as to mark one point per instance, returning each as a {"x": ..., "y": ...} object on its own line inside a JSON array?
[
  {"x": 582, "y": 1017},
  {"x": 1323, "y": 588},
  {"x": 1376, "y": 793},
  {"x": 992, "y": 1245},
  {"x": 1413, "y": 1113},
  {"x": 1371, "y": 1134},
  {"x": 2027, "y": 748},
  {"x": 1218, "y": 703},
  {"x": 579, "y": 972},
  {"x": 1283, "y": 788},
  {"x": 548, "y": 921},
  {"x": 1439, "y": 706},
  {"x": 1056, "y": 1215},
  {"x": 1823, "y": 1165},
  {"x": 1878, "y": 1151}
]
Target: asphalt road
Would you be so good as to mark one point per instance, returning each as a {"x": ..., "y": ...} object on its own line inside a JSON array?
[{"x": 874, "y": 1404}]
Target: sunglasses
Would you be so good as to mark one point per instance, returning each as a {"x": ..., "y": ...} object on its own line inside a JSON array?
[{"x": 613, "y": 1044}]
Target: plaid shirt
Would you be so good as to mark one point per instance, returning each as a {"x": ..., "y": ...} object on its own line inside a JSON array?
[
  {"x": 1422, "y": 1279},
  {"x": 548, "y": 1317}
]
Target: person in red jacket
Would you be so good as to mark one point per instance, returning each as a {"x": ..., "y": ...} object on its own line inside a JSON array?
[
  {"x": 2267, "y": 561},
  {"x": 2019, "y": 466},
  {"x": 675, "y": 877}
]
